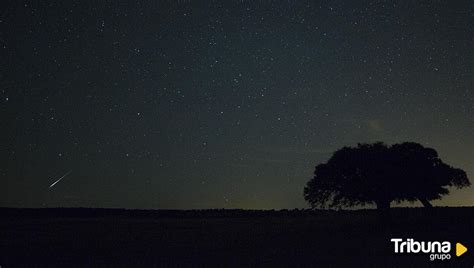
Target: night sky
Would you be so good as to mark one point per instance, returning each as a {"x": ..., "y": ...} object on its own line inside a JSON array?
[{"x": 222, "y": 104}]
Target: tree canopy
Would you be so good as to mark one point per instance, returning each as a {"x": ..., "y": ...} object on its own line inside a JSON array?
[{"x": 379, "y": 174}]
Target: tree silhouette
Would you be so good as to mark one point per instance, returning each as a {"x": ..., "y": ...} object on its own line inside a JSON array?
[{"x": 380, "y": 174}]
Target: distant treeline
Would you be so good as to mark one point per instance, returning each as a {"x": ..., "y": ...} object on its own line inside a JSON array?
[
  {"x": 197, "y": 213},
  {"x": 151, "y": 213}
]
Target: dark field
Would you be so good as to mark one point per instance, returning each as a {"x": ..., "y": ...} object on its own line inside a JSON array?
[{"x": 84, "y": 237}]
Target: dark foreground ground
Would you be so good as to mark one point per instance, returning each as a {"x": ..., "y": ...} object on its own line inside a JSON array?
[{"x": 227, "y": 238}]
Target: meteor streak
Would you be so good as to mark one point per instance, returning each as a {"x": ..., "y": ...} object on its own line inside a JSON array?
[{"x": 54, "y": 183}]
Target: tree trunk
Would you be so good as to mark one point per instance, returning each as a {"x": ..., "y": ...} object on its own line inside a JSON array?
[
  {"x": 383, "y": 208},
  {"x": 425, "y": 202}
]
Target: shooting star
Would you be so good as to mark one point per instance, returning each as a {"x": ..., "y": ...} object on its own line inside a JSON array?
[{"x": 54, "y": 183}]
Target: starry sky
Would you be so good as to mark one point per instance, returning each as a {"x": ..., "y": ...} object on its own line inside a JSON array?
[{"x": 222, "y": 104}]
